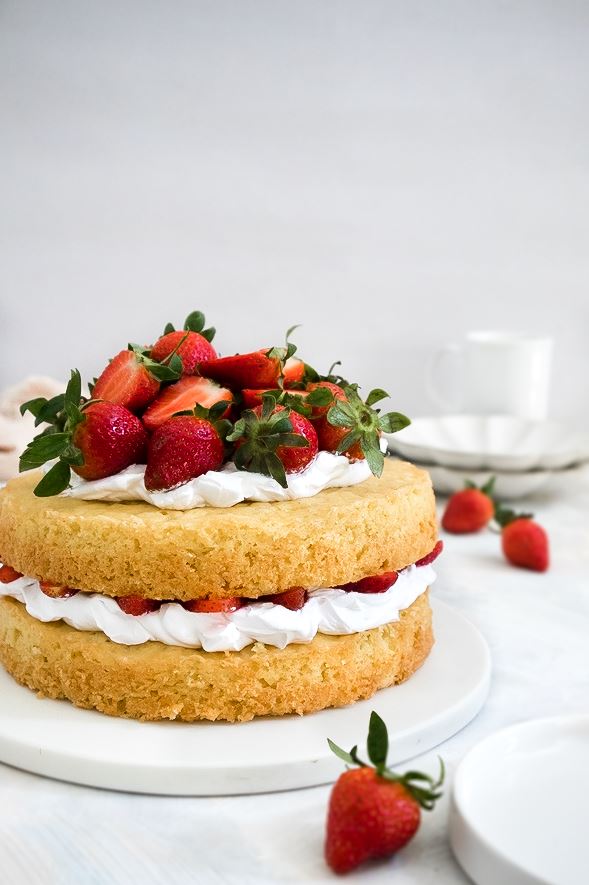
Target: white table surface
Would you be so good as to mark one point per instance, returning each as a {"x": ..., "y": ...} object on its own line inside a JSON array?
[{"x": 537, "y": 626}]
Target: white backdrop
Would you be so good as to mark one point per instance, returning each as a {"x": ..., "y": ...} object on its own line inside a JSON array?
[{"x": 390, "y": 174}]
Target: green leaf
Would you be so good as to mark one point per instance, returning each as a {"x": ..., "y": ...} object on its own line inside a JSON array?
[
  {"x": 54, "y": 481},
  {"x": 348, "y": 441},
  {"x": 372, "y": 453},
  {"x": 209, "y": 334},
  {"x": 48, "y": 414},
  {"x": 275, "y": 469},
  {"x": 195, "y": 321},
  {"x": 73, "y": 391},
  {"x": 375, "y": 396},
  {"x": 341, "y": 414},
  {"x": 321, "y": 396},
  {"x": 168, "y": 328},
  {"x": 378, "y": 741},
  {"x": 392, "y": 422},
  {"x": 310, "y": 374},
  {"x": 292, "y": 440},
  {"x": 237, "y": 432},
  {"x": 33, "y": 406},
  {"x": 291, "y": 330},
  {"x": 489, "y": 487},
  {"x": 44, "y": 448},
  {"x": 341, "y": 754}
]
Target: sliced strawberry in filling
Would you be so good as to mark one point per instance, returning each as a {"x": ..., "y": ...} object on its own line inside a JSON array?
[
  {"x": 230, "y": 604},
  {"x": 294, "y": 599},
  {"x": 372, "y": 584},
  {"x": 57, "y": 591},
  {"x": 426, "y": 560},
  {"x": 137, "y": 605},
  {"x": 9, "y": 574}
]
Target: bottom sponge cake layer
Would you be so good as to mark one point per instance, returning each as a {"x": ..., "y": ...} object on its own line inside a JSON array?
[{"x": 154, "y": 681}]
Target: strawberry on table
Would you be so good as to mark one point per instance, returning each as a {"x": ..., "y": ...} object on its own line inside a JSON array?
[
  {"x": 351, "y": 427},
  {"x": 373, "y": 811},
  {"x": 273, "y": 440},
  {"x": 183, "y": 396},
  {"x": 94, "y": 439},
  {"x": 191, "y": 344},
  {"x": 373, "y": 584},
  {"x": 186, "y": 446},
  {"x": 524, "y": 541},
  {"x": 137, "y": 605},
  {"x": 470, "y": 509},
  {"x": 211, "y": 606}
]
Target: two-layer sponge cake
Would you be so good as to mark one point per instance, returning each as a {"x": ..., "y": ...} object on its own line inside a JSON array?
[
  {"x": 251, "y": 550},
  {"x": 235, "y": 592}
]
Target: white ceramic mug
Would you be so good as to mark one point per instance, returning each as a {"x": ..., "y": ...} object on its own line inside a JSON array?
[{"x": 497, "y": 373}]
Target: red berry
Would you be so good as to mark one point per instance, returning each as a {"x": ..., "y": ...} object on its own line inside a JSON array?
[
  {"x": 246, "y": 370},
  {"x": 57, "y": 591},
  {"x": 181, "y": 449},
  {"x": 229, "y": 604},
  {"x": 368, "y": 817},
  {"x": 467, "y": 511},
  {"x": 8, "y": 574},
  {"x": 372, "y": 584},
  {"x": 525, "y": 544},
  {"x": 192, "y": 348},
  {"x": 426, "y": 560},
  {"x": 183, "y": 396},
  {"x": 110, "y": 438},
  {"x": 127, "y": 382},
  {"x": 296, "y": 458},
  {"x": 293, "y": 371},
  {"x": 294, "y": 599},
  {"x": 137, "y": 605}
]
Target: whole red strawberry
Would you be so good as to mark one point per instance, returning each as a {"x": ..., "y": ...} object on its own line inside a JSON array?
[
  {"x": 353, "y": 428},
  {"x": 95, "y": 439},
  {"x": 191, "y": 347},
  {"x": 470, "y": 509},
  {"x": 184, "y": 447},
  {"x": 110, "y": 438},
  {"x": 373, "y": 812},
  {"x": 524, "y": 541},
  {"x": 273, "y": 440},
  {"x": 127, "y": 381}
]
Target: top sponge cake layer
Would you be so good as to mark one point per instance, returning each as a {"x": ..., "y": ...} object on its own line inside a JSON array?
[{"x": 252, "y": 549}]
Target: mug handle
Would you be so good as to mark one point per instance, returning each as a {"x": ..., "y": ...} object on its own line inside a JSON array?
[{"x": 431, "y": 371}]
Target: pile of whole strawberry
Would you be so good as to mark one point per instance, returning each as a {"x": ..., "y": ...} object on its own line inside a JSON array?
[
  {"x": 524, "y": 541},
  {"x": 182, "y": 410}
]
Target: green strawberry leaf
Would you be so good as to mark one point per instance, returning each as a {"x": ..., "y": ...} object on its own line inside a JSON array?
[
  {"x": 321, "y": 396},
  {"x": 33, "y": 406},
  {"x": 392, "y": 422},
  {"x": 55, "y": 481},
  {"x": 209, "y": 334},
  {"x": 372, "y": 453},
  {"x": 195, "y": 321},
  {"x": 375, "y": 396},
  {"x": 378, "y": 741},
  {"x": 275, "y": 469},
  {"x": 341, "y": 754},
  {"x": 168, "y": 328}
]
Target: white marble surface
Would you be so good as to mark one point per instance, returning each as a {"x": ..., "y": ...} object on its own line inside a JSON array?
[{"x": 537, "y": 625}]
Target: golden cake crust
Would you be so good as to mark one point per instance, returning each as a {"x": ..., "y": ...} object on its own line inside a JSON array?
[
  {"x": 252, "y": 549},
  {"x": 155, "y": 681}
]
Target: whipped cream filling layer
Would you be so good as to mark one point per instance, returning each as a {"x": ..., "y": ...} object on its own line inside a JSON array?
[
  {"x": 225, "y": 487},
  {"x": 328, "y": 610}
]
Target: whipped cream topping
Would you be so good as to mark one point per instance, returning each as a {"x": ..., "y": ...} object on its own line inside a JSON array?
[
  {"x": 225, "y": 487},
  {"x": 329, "y": 610}
]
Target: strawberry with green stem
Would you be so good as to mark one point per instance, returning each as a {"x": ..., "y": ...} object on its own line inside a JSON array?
[
  {"x": 191, "y": 345},
  {"x": 186, "y": 446},
  {"x": 273, "y": 440},
  {"x": 523, "y": 540},
  {"x": 470, "y": 509},
  {"x": 353, "y": 428},
  {"x": 132, "y": 379},
  {"x": 373, "y": 811},
  {"x": 93, "y": 438}
]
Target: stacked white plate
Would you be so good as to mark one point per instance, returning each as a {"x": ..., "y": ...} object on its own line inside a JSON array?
[{"x": 522, "y": 455}]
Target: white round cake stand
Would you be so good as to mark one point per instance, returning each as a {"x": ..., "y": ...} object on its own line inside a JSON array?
[{"x": 55, "y": 739}]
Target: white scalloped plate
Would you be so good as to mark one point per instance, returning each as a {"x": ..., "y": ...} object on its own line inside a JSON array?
[
  {"x": 491, "y": 442},
  {"x": 508, "y": 486}
]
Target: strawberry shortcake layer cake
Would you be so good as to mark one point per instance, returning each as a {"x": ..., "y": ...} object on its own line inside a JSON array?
[{"x": 213, "y": 538}]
